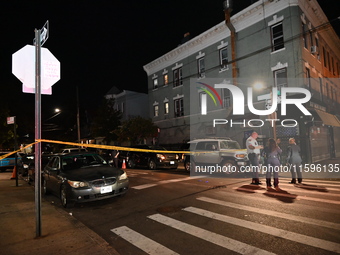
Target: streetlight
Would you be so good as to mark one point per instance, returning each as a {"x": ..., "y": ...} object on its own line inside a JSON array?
[{"x": 57, "y": 112}]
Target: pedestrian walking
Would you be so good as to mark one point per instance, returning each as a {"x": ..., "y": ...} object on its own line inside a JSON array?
[
  {"x": 114, "y": 155},
  {"x": 253, "y": 150},
  {"x": 295, "y": 160},
  {"x": 273, "y": 155}
]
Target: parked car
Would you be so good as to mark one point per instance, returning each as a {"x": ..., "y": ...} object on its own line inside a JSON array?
[
  {"x": 68, "y": 150},
  {"x": 29, "y": 165},
  {"x": 151, "y": 160},
  {"x": 215, "y": 151},
  {"x": 82, "y": 177},
  {"x": 9, "y": 161}
]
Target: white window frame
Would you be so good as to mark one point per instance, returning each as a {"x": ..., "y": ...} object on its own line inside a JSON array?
[
  {"x": 178, "y": 107},
  {"x": 278, "y": 83},
  {"x": 274, "y": 38},
  {"x": 178, "y": 77},
  {"x": 201, "y": 67},
  {"x": 223, "y": 60}
]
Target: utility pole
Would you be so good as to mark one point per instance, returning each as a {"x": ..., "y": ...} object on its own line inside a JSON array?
[{"x": 228, "y": 8}]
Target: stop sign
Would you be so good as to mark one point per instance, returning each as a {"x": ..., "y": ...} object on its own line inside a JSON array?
[{"x": 23, "y": 67}]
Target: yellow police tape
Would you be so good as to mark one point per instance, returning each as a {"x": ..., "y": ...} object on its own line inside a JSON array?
[
  {"x": 12, "y": 152},
  {"x": 109, "y": 147},
  {"x": 98, "y": 146},
  {"x": 106, "y": 147}
]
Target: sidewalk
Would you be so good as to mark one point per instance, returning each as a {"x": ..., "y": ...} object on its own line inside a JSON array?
[{"x": 61, "y": 233}]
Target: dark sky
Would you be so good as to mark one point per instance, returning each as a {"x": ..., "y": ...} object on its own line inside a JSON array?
[{"x": 102, "y": 43}]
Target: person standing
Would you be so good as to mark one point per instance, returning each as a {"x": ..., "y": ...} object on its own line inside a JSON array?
[
  {"x": 273, "y": 155},
  {"x": 114, "y": 155},
  {"x": 295, "y": 160},
  {"x": 253, "y": 150}
]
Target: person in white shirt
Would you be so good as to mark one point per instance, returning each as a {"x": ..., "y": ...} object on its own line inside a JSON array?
[{"x": 253, "y": 150}]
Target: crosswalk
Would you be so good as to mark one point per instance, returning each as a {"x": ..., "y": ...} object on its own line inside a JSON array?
[{"x": 322, "y": 237}]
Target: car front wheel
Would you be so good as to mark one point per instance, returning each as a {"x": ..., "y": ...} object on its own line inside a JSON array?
[
  {"x": 45, "y": 189},
  {"x": 152, "y": 164},
  {"x": 131, "y": 164},
  {"x": 64, "y": 197},
  {"x": 229, "y": 166},
  {"x": 188, "y": 165}
]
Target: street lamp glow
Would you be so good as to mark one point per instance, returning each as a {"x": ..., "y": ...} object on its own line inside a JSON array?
[
  {"x": 56, "y": 110},
  {"x": 258, "y": 86}
]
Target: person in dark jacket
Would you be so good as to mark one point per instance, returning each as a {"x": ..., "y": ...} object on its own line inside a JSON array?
[
  {"x": 273, "y": 155},
  {"x": 114, "y": 155},
  {"x": 295, "y": 160}
]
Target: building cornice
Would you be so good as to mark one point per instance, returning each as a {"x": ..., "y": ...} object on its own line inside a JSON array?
[{"x": 241, "y": 20}]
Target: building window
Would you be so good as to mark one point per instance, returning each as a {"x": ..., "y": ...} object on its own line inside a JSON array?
[
  {"x": 224, "y": 58},
  {"x": 277, "y": 37},
  {"x": 165, "y": 79},
  {"x": 155, "y": 83},
  {"x": 178, "y": 79},
  {"x": 329, "y": 62},
  {"x": 327, "y": 90},
  {"x": 304, "y": 36},
  {"x": 280, "y": 79},
  {"x": 308, "y": 78},
  {"x": 179, "y": 108},
  {"x": 166, "y": 108},
  {"x": 155, "y": 110},
  {"x": 122, "y": 105},
  {"x": 311, "y": 37},
  {"x": 321, "y": 92},
  {"x": 201, "y": 67},
  {"x": 324, "y": 57},
  {"x": 226, "y": 98}
]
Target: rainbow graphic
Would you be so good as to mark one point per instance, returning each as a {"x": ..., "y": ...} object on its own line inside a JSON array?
[{"x": 209, "y": 93}]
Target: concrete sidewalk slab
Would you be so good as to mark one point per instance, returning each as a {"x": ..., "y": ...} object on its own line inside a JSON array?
[{"x": 61, "y": 233}]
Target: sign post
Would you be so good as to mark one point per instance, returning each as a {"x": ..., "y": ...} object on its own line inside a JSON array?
[
  {"x": 37, "y": 78},
  {"x": 37, "y": 157}
]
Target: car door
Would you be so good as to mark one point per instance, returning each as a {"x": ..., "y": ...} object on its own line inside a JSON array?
[
  {"x": 51, "y": 173},
  {"x": 208, "y": 152}
]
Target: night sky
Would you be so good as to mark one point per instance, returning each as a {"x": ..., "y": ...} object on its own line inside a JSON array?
[{"x": 101, "y": 44}]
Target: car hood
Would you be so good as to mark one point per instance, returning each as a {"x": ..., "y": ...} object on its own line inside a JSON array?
[{"x": 91, "y": 173}]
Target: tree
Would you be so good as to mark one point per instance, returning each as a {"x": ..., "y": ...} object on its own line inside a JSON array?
[
  {"x": 106, "y": 121},
  {"x": 136, "y": 130}
]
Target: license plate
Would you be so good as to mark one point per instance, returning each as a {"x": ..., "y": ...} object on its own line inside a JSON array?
[
  {"x": 105, "y": 189},
  {"x": 172, "y": 162}
]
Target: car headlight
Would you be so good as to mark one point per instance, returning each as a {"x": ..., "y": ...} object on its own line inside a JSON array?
[
  {"x": 240, "y": 155},
  {"x": 77, "y": 184},
  {"x": 123, "y": 176},
  {"x": 161, "y": 156}
]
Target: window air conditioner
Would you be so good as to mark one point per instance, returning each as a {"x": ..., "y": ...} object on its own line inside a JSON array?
[{"x": 313, "y": 49}]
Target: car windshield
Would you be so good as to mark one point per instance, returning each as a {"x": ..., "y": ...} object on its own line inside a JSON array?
[
  {"x": 229, "y": 145},
  {"x": 70, "y": 162}
]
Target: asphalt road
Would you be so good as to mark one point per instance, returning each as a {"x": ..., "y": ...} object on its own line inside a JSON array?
[{"x": 167, "y": 212}]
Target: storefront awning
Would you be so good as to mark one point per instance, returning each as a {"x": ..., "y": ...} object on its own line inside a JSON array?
[{"x": 328, "y": 119}]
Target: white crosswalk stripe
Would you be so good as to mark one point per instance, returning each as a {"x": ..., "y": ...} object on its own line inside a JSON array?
[
  {"x": 315, "y": 242},
  {"x": 146, "y": 244},
  {"x": 151, "y": 247},
  {"x": 320, "y": 223},
  {"x": 208, "y": 235}
]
